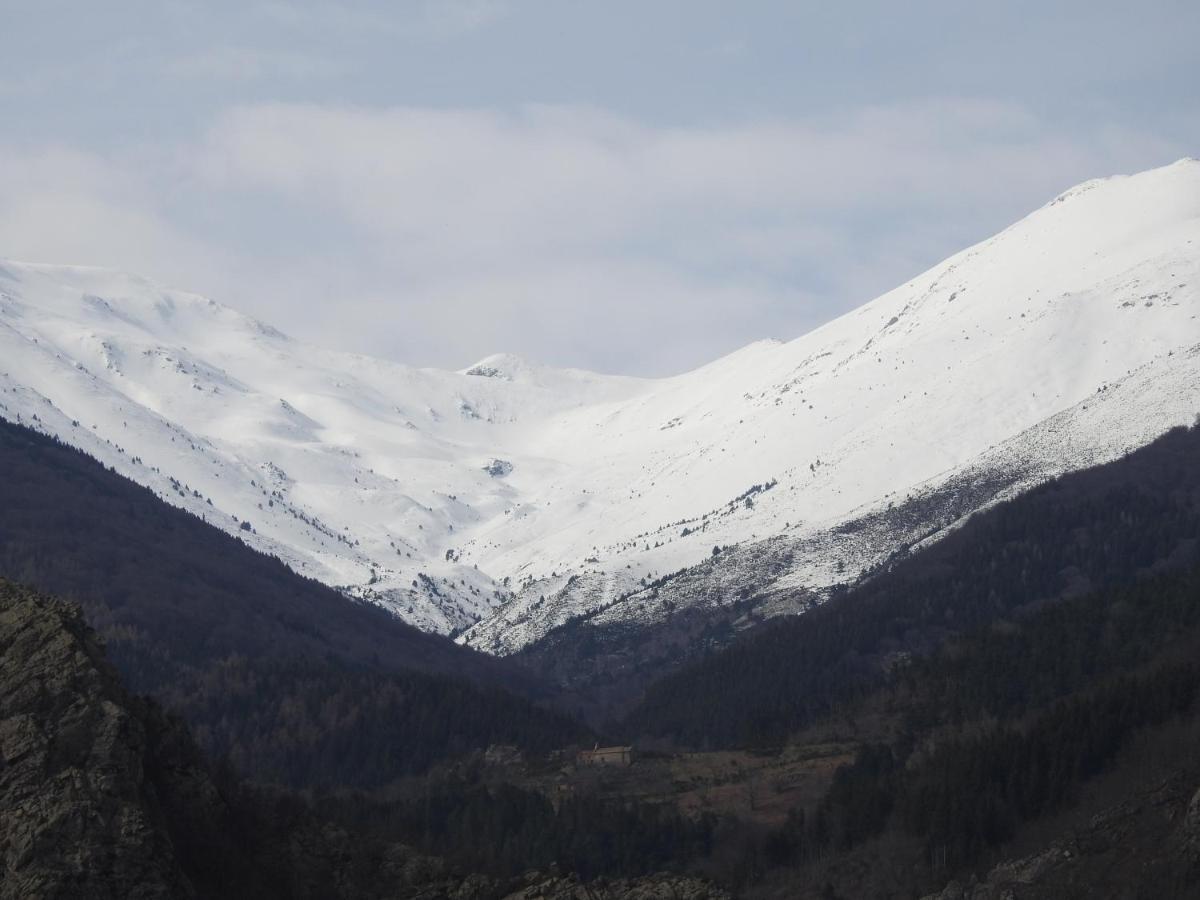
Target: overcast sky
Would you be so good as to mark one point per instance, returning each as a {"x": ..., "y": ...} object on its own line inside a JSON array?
[{"x": 632, "y": 187}]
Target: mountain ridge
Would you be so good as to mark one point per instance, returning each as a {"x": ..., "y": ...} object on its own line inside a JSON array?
[{"x": 500, "y": 501}]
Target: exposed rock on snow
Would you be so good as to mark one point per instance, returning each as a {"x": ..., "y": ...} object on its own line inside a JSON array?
[{"x": 498, "y": 468}]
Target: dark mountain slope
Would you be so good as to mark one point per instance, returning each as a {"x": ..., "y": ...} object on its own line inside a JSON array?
[
  {"x": 1013, "y": 733},
  {"x": 293, "y": 681},
  {"x": 1105, "y": 526},
  {"x": 103, "y": 795},
  {"x": 1045, "y": 740}
]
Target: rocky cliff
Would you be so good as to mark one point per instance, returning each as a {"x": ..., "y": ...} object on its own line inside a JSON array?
[{"x": 81, "y": 814}]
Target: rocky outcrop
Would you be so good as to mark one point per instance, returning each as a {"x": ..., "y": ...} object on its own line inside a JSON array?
[
  {"x": 1147, "y": 846},
  {"x": 1189, "y": 834},
  {"x": 79, "y": 819},
  {"x": 651, "y": 887}
]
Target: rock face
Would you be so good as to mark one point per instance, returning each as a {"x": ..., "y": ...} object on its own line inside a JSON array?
[
  {"x": 1147, "y": 846},
  {"x": 653, "y": 887},
  {"x": 1189, "y": 833},
  {"x": 79, "y": 817},
  {"x": 499, "y": 468}
]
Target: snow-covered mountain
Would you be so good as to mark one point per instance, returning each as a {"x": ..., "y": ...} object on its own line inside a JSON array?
[{"x": 502, "y": 500}]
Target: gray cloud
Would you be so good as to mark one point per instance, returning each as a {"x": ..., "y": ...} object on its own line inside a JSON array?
[
  {"x": 421, "y": 19},
  {"x": 383, "y": 180}
]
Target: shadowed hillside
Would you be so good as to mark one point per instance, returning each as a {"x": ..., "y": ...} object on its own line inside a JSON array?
[
  {"x": 290, "y": 680},
  {"x": 1110, "y": 525},
  {"x": 106, "y": 796}
]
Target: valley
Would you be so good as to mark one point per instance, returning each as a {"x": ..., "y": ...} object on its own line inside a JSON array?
[{"x": 906, "y": 607}]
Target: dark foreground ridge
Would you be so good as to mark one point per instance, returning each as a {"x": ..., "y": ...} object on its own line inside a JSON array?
[{"x": 105, "y": 796}]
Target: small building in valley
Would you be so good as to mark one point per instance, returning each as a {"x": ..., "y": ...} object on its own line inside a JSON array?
[{"x": 606, "y": 756}]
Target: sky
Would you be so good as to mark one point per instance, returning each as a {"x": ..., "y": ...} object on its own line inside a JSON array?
[{"x": 630, "y": 187}]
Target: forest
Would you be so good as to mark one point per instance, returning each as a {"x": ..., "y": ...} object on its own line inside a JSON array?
[{"x": 1040, "y": 656}]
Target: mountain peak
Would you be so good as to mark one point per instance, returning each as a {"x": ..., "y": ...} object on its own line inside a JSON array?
[
  {"x": 130, "y": 303},
  {"x": 500, "y": 365}
]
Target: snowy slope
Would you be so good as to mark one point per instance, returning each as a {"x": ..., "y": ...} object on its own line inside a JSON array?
[
  {"x": 504, "y": 499},
  {"x": 355, "y": 471}
]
